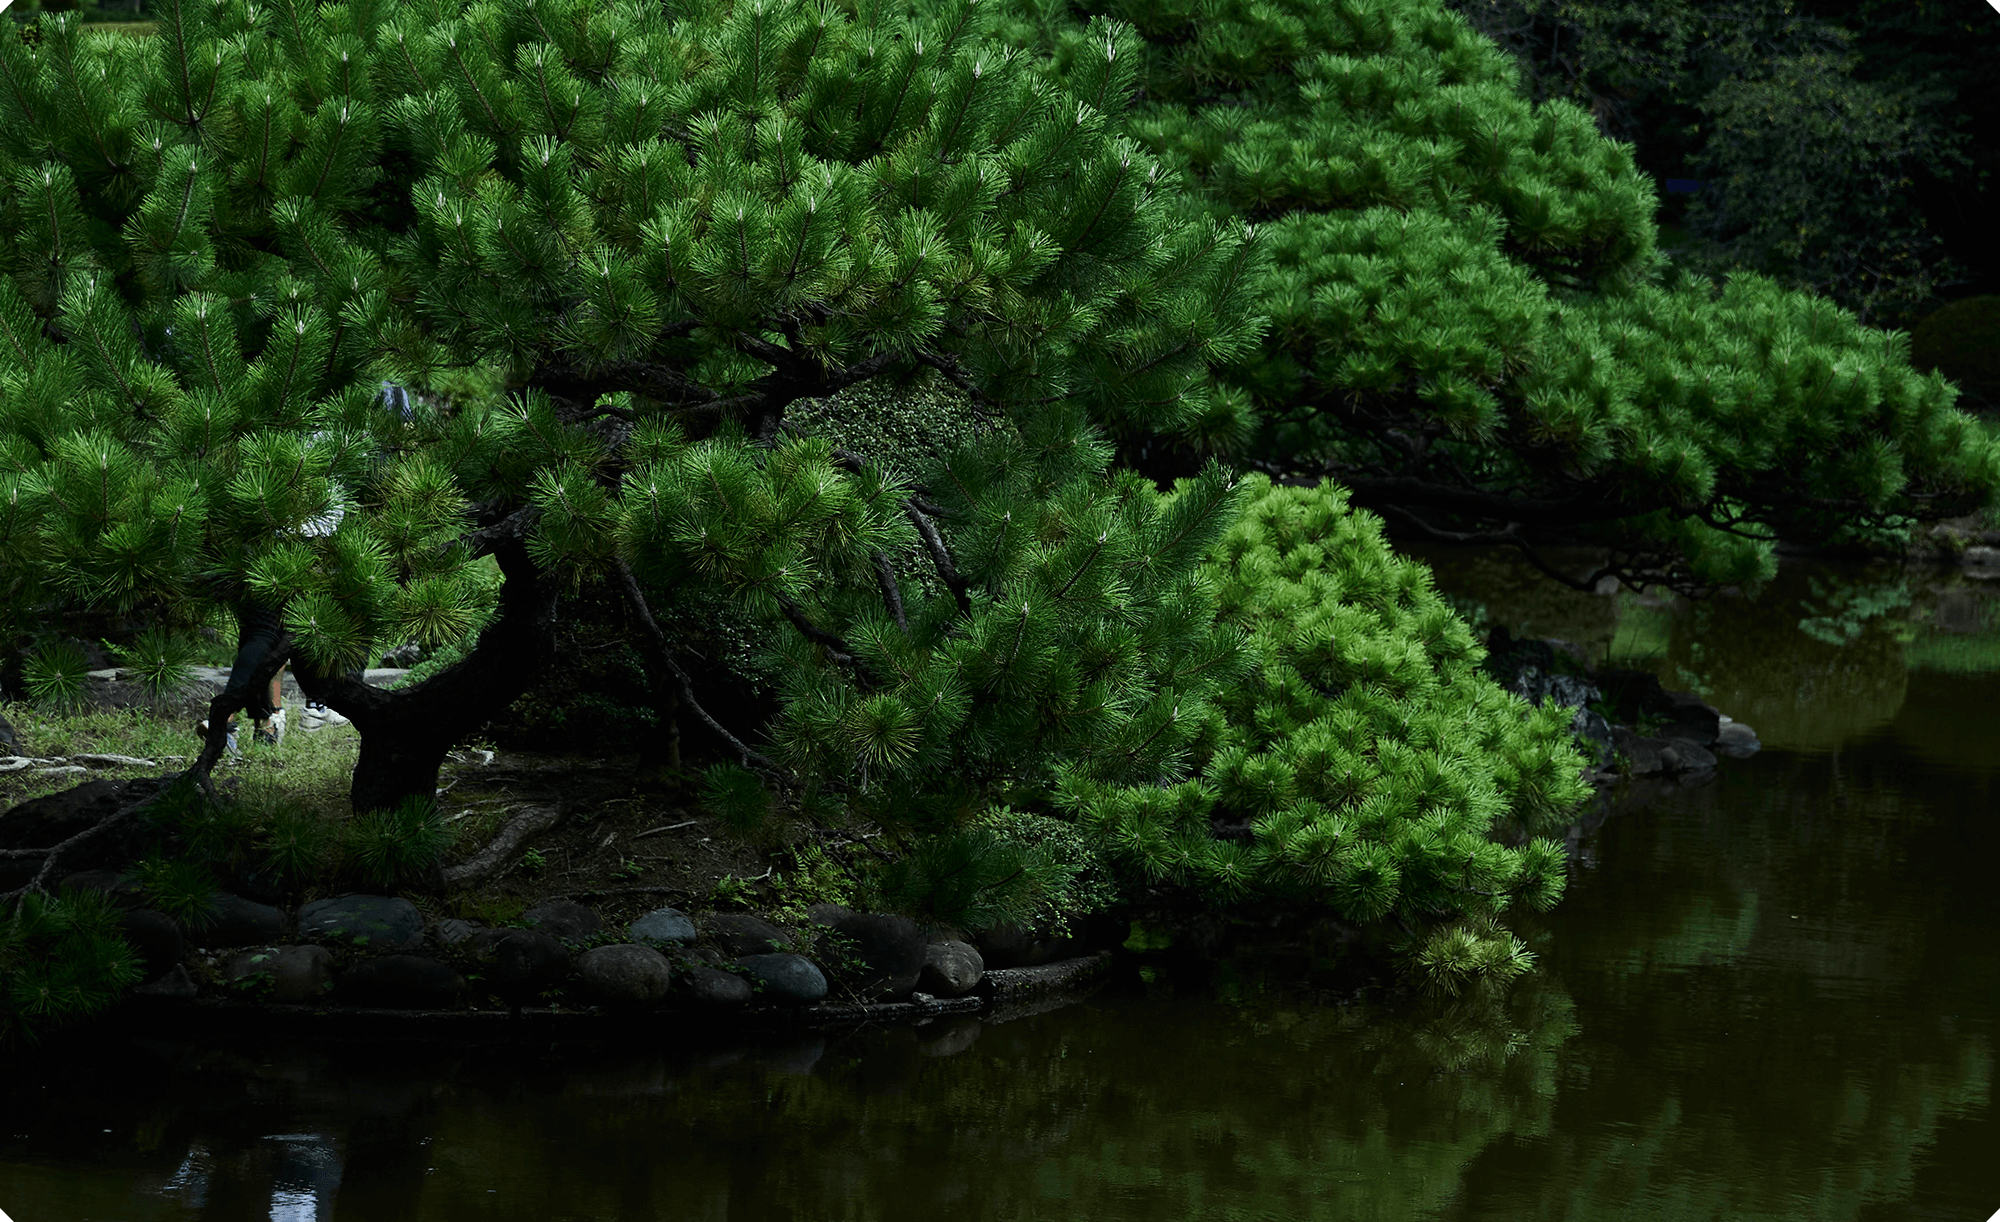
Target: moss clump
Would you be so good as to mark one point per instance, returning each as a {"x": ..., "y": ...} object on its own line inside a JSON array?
[{"x": 1962, "y": 341}]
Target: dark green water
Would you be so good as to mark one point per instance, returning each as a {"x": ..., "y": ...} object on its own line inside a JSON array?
[{"x": 1772, "y": 996}]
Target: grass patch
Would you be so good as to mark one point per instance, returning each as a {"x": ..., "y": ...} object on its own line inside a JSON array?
[{"x": 307, "y": 771}]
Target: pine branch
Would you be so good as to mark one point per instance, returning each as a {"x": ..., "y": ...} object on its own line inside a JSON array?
[
  {"x": 837, "y": 649},
  {"x": 662, "y": 651},
  {"x": 934, "y": 544},
  {"x": 892, "y": 595}
]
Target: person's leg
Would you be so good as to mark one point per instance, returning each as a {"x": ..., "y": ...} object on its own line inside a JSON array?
[{"x": 271, "y": 728}]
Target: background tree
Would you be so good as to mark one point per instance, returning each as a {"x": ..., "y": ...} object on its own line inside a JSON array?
[
  {"x": 1473, "y": 327},
  {"x": 1882, "y": 216}
]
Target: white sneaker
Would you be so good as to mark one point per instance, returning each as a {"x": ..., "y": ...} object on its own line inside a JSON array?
[{"x": 314, "y": 716}]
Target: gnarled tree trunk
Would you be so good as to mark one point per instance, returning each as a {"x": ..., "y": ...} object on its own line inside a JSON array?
[{"x": 405, "y": 733}]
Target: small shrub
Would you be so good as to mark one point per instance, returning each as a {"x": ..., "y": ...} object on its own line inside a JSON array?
[
  {"x": 56, "y": 677},
  {"x": 160, "y": 660},
  {"x": 387, "y": 847},
  {"x": 298, "y": 843},
  {"x": 184, "y": 890},
  {"x": 737, "y": 797}
]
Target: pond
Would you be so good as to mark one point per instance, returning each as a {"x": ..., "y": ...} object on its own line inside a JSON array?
[{"x": 1771, "y": 996}]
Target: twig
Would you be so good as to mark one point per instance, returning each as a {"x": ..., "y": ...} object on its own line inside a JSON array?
[
  {"x": 671, "y": 827},
  {"x": 666, "y": 658}
]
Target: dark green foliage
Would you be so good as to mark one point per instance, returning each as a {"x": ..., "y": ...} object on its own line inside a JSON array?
[
  {"x": 298, "y": 844},
  {"x": 182, "y": 888},
  {"x": 1008, "y": 867},
  {"x": 737, "y": 796},
  {"x": 62, "y": 958},
  {"x": 1962, "y": 342},
  {"x": 399, "y": 845},
  {"x": 1822, "y": 141}
]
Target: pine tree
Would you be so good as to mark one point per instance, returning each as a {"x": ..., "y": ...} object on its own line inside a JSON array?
[
  {"x": 664, "y": 229},
  {"x": 1472, "y": 327}
]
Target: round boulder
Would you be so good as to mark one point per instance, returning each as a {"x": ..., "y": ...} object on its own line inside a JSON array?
[
  {"x": 518, "y": 963},
  {"x": 625, "y": 974},
  {"x": 288, "y": 973},
  {"x": 713, "y": 988},
  {"x": 951, "y": 969},
  {"x": 668, "y": 925},
  {"x": 240, "y": 922},
  {"x": 401, "y": 982},
  {"x": 739, "y": 933},
  {"x": 370, "y": 922},
  {"x": 785, "y": 978},
  {"x": 880, "y": 957},
  {"x": 564, "y": 919}
]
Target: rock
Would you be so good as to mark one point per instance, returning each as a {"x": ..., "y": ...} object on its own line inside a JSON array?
[
  {"x": 564, "y": 919},
  {"x": 1593, "y": 735},
  {"x": 948, "y": 1037},
  {"x": 285, "y": 973},
  {"x": 117, "y": 886},
  {"x": 1689, "y": 716},
  {"x": 711, "y": 987},
  {"x": 785, "y": 978},
  {"x": 663, "y": 925},
  {"x": 366, "y": 922},
  {"x": 518, "y": 963},
  {"x": 739, "y": 933},
  {"x": 241, "y": 922},
  {"x": 176, "y": 985},
  {"x": 452, "y": 931},
  {"x": 1737, "y": 741},
  {"x": 882, "y": 957},
  {"x": 53, "y": 818},
  {"x": 1685, "y": 755},
  {"x": 1009, "y": 945},
  {"x": 951, "y": 969},
  {"x": 156, "y": 937},
  {"x": 1642, "y": 755},
  {"x": 11, "y": 742},
  {"x": 402, "y": 982},
  {"x": 625, "y": 974}
]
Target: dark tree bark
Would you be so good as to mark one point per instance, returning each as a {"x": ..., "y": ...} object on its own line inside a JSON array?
[{"x": 405, "y": 733}]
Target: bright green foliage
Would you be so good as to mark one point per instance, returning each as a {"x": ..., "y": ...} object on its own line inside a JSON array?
[
  {"x": 1470, "y": 322},
  {"x": 1374, "y": 761},
  {"x": 61, "y": 959},
  {"x": 56, "y": 676},
  {"x": 221, "y": 243}
]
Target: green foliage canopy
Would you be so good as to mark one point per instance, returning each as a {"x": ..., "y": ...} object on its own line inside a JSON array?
[{"x": 1472, "y": 325}]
